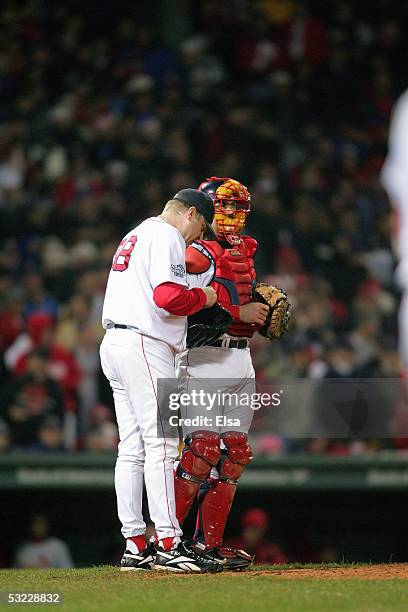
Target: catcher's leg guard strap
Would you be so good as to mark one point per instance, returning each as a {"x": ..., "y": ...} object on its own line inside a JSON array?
[
  {"x": 237, "y": 455},
  {"x": 201, "y": 453}
]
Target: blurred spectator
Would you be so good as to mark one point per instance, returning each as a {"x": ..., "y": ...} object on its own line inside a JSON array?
[
  {"x": 102, "y": 434},
  {"x": 50, "y": 436},
  {"x": 42, "y": 550},
  {"x": 27, "y": 399},
  {"x": 61, "y": 363},
  {"x": 87, "y": 356},
  {"x": 254, "y": 538},
  {"x": 36, "y": 298},
  {"x": 269, "y": 444},
  {"x": 341, "y": 361},
  {"x": 5, "y": 437}
]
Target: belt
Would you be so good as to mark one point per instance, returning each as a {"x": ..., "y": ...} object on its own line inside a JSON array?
[
  {"x": 121, "y": 326},
  {"x": 231, "y": 343}
]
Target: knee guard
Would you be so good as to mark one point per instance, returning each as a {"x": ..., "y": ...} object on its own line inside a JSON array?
[
  {"x": 235, "y": 457},
  {"x": 201, "y": 453}
]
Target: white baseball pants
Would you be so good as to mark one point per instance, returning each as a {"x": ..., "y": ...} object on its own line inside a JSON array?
[
  {"x": 133, "y": 363},
  {"x": 214, "y": 369}
]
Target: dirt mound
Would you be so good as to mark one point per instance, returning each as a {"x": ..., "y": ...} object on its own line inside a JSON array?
[{"x": 366, "y": 572}]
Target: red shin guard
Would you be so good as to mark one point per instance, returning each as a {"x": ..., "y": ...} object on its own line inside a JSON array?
[
  {"x": 185, "y": 492},
  {"x": 213, "y": 509},
  {"x": 216, "y": 496},
  {"x": 199, "y": 456}
]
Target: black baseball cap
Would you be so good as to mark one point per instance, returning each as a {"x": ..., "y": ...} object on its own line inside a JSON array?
[{"x": 200, "y": 200}]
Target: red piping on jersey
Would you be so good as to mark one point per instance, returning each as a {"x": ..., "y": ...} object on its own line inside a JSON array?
[{"x": 178, "y": 300}]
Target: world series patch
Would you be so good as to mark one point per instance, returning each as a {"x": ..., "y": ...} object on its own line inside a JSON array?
[{"x": 178, "y": 270}]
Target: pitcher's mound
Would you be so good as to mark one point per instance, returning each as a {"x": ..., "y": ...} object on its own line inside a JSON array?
[{"x": 363, "y": 572}]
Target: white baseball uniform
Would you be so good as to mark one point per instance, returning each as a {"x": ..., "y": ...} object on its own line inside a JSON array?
[
  {"x": 133, "y": 359},
  {"x": 394, "y": 177}
]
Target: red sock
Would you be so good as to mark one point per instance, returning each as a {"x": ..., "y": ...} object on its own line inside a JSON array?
[
  {"x": 140, "y": 542},
  {"x": 166, "y": 543}
]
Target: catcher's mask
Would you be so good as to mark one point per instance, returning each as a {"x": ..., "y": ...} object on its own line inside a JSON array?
[{"x": 232, "y": 204}]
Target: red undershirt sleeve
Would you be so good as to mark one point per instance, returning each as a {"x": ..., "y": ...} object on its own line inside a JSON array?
[{"x": 178, "y": 300}]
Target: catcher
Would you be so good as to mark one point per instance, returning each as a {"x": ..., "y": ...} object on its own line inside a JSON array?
[{"x": 214, "y": 457}]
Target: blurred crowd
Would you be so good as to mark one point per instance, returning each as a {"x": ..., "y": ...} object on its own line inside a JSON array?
[{"x": 104, "y": 114}]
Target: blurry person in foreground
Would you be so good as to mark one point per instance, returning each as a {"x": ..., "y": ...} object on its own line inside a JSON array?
[
  {"x": 254, "y": 538},
  {"x": 394, "y": 177}
]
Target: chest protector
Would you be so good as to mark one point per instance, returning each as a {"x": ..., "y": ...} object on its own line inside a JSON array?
[{"x": 235, "y": 276}]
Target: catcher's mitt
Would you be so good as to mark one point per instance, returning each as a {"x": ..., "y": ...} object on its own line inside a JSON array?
[
  {"x": 279, "y": 313},
  {"x": 207, "y": 325}
]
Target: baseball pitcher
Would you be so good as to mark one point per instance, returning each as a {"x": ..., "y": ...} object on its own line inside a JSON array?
[{"x": 145, "y": 311}]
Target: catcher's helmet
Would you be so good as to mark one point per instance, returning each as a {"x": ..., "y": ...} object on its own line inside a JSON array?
[{"x": 232, "y": 203}]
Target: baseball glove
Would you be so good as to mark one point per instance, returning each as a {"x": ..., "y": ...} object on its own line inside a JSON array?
[
  {"x": 207, "y": 325},
  {"x": 279, "y": 313}
]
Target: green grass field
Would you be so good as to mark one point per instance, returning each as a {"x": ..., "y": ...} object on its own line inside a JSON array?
[{"x": 106, "y": 588}]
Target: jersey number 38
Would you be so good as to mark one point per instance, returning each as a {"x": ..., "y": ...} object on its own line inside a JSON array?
[{"x": 122, "y": 255}]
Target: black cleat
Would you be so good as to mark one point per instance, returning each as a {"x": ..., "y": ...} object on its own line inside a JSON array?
[
  {"x": 138, "y": 561},
  {"x": 231, "y": 558},
  {"x": 185, "y": 558}
]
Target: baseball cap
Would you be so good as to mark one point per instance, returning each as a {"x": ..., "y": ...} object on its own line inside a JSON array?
[
  {"x": 255, "y": 517},
  {"x": 200, "y": 200}
]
